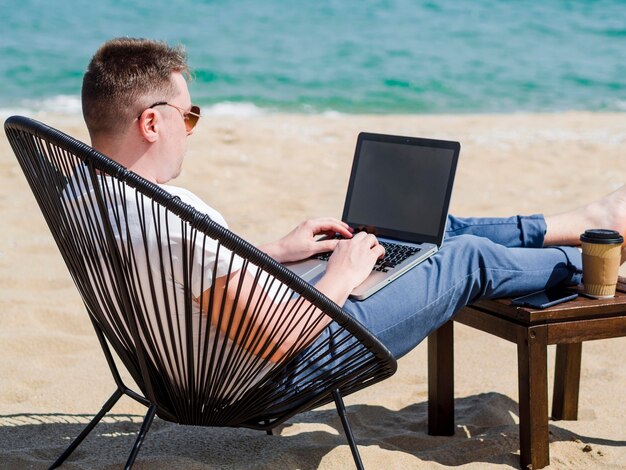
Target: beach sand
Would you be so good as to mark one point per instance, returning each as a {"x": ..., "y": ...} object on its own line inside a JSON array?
[{"x": 265, "y": 174}]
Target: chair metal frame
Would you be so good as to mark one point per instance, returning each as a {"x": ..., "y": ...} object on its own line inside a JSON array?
[{"x": 48, "y": 157}]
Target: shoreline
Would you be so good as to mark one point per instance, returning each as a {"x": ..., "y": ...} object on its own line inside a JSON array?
[
  {"x": 247, "y": 110},
  {"x": 265, "y": 174}
]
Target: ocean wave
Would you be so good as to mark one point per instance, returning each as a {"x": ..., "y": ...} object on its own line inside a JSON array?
[
  {"x": 620, "y": 105},
  {"x": 70, "y": 105},
  {"x": 248, "y": 109},
  {"x": 230, "y": 108},
  {"x": 60, "y": 104}
]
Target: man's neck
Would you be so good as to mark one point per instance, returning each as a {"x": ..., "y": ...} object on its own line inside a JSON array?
[{"x": 128, "y": 154}]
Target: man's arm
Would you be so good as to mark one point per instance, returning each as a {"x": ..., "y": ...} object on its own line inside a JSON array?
[{"x": 351, "y": 262}]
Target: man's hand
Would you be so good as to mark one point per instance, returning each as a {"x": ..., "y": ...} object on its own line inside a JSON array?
[
  {"x": 301, "y": 242},
  {"x": 351, "y": 262},
  {"x": 354, "y": 259}
]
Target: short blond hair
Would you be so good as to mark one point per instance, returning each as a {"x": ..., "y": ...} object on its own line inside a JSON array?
[{"x": 123, "y": 78}]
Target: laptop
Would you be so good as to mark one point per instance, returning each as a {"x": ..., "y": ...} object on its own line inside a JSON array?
[{"x": 399, "y": 190}]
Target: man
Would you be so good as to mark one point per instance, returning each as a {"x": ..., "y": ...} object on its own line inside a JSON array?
[{"x": 138, "y": 111}]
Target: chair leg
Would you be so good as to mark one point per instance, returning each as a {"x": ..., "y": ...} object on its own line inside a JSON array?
[
  {"x": 341, "y": 411},
  {"x": 140, "y": 437},
  {"x": 105, "y": 409}
]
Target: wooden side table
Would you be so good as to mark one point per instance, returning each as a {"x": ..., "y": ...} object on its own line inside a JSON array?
[{"x": 567, "y": 325}]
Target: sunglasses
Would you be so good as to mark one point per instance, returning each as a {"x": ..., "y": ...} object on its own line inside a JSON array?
[{"x": 190, "y": 117}]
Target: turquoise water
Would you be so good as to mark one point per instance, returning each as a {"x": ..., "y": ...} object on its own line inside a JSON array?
[{"x": 368, "y": 56}]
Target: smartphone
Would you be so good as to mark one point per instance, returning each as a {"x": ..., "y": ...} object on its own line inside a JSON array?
[{"x": 545, "y": 298}]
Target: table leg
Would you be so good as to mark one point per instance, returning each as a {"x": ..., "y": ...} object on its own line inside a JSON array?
[
  {"x": 532, "y": 346},
  {"x": 566, "y": 381},
  {"x": 441, "y": 381}
]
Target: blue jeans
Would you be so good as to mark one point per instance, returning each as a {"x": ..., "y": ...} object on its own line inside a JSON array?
[{"x": 480, "y": 258}]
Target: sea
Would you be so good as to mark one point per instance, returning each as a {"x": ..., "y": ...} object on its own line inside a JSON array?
[{"x": 334, "y": 56}]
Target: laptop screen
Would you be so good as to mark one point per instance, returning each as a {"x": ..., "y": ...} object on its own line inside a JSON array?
[{"x": 400, "y": 187}]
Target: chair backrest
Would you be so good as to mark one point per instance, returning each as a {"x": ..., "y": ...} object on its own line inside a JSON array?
[{"x": 137, "y": 255}]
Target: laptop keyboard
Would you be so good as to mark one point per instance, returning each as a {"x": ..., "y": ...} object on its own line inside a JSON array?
[{"x": 394, "y": 255}]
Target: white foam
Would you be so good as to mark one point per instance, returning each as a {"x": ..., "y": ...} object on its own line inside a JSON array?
[
  {"x": 621, "y": 105},
  {"x": 229, "y": 108},
  {"x": 310, "y": 109},
  {"x": 70, "y": 105},
  {"x": 63, "y": 104},
  {"x": 60, "y": 104},
  {"x": 331, "y": 113}
]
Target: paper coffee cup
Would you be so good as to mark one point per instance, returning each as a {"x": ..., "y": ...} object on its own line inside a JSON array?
[{"x": 602, "y": 251}]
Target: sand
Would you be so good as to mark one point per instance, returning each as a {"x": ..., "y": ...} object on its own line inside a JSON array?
[{"x": 265, "y": 174}]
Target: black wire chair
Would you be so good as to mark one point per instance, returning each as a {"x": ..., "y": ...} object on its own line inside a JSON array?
[{"x": 139, "y": 284}]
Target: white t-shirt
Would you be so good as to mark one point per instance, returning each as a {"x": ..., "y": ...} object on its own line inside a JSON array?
[{"x": 153, "y": 244}]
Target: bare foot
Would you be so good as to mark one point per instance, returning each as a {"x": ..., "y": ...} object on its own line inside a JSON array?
[{"x": 608, "y": 212}]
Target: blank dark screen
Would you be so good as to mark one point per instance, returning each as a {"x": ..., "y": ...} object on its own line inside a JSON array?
[{"x": 400, "y": 187}]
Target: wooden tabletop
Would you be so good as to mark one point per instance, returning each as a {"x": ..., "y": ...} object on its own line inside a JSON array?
[{"x": 581, "y": 307}]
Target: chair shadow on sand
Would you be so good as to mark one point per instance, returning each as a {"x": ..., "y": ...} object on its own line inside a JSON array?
[{"x": 486, "y": 431}]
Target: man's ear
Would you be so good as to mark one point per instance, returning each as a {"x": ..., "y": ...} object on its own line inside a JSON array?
[{"x": 149, "y": 125}]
